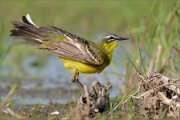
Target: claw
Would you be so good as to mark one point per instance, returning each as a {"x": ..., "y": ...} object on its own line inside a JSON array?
[{"x": 76, "y": 80}]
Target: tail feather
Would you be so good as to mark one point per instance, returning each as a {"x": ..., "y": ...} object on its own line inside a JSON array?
[
  {"x": 27, "y": 19},
  {"x": 27, "y": 30}
]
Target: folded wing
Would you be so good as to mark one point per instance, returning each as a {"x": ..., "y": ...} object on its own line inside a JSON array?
[{"x": 73, "y": 47}]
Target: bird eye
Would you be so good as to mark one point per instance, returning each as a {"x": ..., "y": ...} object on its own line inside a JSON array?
[{"x": 111, "y": 37}]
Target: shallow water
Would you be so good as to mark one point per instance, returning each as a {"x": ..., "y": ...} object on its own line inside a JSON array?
[{"x": 53, "y": 82}]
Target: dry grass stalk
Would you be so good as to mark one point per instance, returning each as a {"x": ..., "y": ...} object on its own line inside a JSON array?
[{"x": 94, "y": 100}]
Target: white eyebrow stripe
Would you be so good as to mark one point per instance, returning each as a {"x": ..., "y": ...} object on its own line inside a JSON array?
[
  {"x": 109, "y": 36},
  {"x": 113, "y": 37}
]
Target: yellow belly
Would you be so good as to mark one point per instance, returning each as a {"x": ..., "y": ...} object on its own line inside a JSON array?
[{"x": 82, "y": 67}]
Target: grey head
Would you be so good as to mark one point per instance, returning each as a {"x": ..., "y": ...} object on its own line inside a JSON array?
[{"x": 110, "y": 37}]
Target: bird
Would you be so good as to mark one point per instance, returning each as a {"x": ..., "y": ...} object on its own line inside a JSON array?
[{"x": 78, "y": 54}]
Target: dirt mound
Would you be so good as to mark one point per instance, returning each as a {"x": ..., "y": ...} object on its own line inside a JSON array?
[
  {"x": 161, "y": 96},
  {"x": 94, "y": 100}
]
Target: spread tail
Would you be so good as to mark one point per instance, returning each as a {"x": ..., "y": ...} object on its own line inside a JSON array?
[{"x": 27, "y": 30}]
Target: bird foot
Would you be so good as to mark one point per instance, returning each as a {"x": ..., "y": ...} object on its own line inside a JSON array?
[{"x": 78, "y": 83}]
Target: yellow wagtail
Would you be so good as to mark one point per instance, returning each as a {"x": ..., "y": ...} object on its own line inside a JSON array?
[{"x": 78, "y": 54}]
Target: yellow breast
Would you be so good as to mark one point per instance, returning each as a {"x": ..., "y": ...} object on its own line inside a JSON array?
[{"x": 82, "y": 67}]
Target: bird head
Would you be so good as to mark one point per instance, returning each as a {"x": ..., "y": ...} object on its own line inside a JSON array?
[{"x": 109, "y": 41}]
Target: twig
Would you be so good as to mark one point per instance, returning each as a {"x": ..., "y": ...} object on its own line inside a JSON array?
[
  {"x": 10, "y": 93},
  {"x": 123, "y": 102},
  {"x": 9, "y": 111},
  {"x": 167, "y": 101}
]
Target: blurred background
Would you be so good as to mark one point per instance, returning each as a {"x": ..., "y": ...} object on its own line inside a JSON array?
[{"x": 153, "y": 26}]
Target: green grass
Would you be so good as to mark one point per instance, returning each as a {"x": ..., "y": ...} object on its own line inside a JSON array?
[
  {"x": 153, "y": 27},
  {"x": 156, "y": 44}
]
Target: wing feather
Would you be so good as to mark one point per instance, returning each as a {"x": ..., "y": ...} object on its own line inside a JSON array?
[{"x": 73, "y": 47}]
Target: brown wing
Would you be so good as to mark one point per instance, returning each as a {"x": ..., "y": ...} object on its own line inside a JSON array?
[
  {"x": 72, "y": 47},
  {"x": 58, "y": 41}
]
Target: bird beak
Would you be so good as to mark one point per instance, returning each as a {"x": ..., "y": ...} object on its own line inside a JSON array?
[{"x": 121, "y": 38}]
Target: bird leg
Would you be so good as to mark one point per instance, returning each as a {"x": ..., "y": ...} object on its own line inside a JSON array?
[{"x": 76, "y": 79}]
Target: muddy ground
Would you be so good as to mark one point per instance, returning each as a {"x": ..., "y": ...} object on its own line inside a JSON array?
[{"x": 157, "y": 97}]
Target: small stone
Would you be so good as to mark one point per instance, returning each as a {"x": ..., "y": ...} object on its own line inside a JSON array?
[{"x": 55, "y": 113}]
